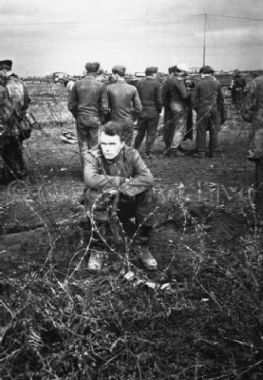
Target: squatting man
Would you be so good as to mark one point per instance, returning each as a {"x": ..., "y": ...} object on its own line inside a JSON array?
[{"x": 116, "y": 173}]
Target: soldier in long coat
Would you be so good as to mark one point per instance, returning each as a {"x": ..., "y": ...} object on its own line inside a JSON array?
[
  {"x": 149, "y": 90},
  {"x": 208, "y": 102},
  {"x": 175, "y": 96}
]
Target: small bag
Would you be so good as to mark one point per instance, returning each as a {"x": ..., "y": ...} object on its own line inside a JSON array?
[
  {"x": 32, "y": 120},
  {"x": 25, "y": 128}
]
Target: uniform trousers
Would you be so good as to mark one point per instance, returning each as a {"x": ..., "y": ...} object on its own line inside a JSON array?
[
  {"x": 207, "y": 122},
  {"x": 87, "y": 133},
  {"x": 13, "y": 164},
  {"x": 141, "y": 207},
  {"x": 148, "y": 127},
  {"x": 179, "y": 123}
]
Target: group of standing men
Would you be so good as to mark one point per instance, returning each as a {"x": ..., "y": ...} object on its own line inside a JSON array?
[
  {"x": 92, "y": 103},
  {"x": 118, "y": 182},
  {"x": 114, "y": 172},
  {"x": 206, "y": 98}
]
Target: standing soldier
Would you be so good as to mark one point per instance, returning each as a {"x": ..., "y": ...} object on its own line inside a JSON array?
[
  {"x": 168, "y": 115},
  {"x": 6, "y": 112},
  {"x": 18, "y": 126},
  {"x": 122, "y": 101},
  {"x": 237, "y": 88},
  {"x": 85, "y": 104},
  {"x": 69, "y": 83},
  {"x": 252, "y": 111},
  {"x": 189, "y": 83},
  {"x": 149, "y": 90},
  {"x": 208, "y": 102},
  {"x": 175, "y": 97}
]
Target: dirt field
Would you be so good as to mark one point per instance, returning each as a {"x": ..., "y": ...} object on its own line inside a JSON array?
[{"x": 198, "y": 317}]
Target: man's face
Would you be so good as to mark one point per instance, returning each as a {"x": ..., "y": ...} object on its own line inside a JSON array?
[{"x": 110, "y": 145}]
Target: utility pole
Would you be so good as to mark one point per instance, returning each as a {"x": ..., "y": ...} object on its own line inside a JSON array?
[{"x": 204, "y": 42}]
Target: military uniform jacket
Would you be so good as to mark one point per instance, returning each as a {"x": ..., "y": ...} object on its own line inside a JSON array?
[
  {"x": 6, "y": 109},
  {"x": 174, "y": 90},
  {"x": 149, "y": 90},
  {"x": 6, "y": 112},
  {"x": 16, "y": 106},
  {"x": 252, "y": 111},
  {"x": 86, "y": 97},
  {"x": 127, "y": 172},
  {"x": 122, "y": 100},
  {"x": 208, "y": 96},
  {"x": 239, "y": 83},
  {"x": 18, "y": 96}
]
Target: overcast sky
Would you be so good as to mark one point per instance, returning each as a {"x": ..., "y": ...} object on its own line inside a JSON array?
[{"x": 43, "y": 36}]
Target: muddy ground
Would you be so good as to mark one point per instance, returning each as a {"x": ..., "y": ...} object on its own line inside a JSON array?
[
  {"x": 51, "y": 193},
  {"x": 203, "y": 318}
]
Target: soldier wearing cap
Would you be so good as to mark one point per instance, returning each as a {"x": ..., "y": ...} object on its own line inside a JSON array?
[
  {"x": 175, "y": 96},
  {"x": 237, "y": 87},
  {"x": 122, "y": 102},
  {"x": 86, "y": 105},
  {"x": 19, "y": 128},
  {"x": 149, "y": 90},
  {"x": 208, "y": 102}
]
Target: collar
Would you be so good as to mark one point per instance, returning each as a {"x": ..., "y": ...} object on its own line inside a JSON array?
[
  {"x": 91, "y": 75},
  {"x": 206, "y": 76}
]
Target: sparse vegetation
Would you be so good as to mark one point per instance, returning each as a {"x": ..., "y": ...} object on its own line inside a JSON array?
[{"x": 200, "y": 316}]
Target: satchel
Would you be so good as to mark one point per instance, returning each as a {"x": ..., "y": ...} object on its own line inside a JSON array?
[{"x": 25, "y": 128}]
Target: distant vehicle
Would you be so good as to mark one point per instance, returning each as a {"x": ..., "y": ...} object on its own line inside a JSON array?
[
  {"x": 193, "y": 70},
  {"x": 139, "y": 74},
  {"x": 59, "y": 77}
]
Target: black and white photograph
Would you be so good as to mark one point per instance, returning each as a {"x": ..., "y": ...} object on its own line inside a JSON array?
[{"x": 131, "y": 190}]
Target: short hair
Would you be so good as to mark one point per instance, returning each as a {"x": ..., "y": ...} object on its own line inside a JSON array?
[
  {"x": 206, "y": 70},
  {"x": 113, "y": 128}
]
